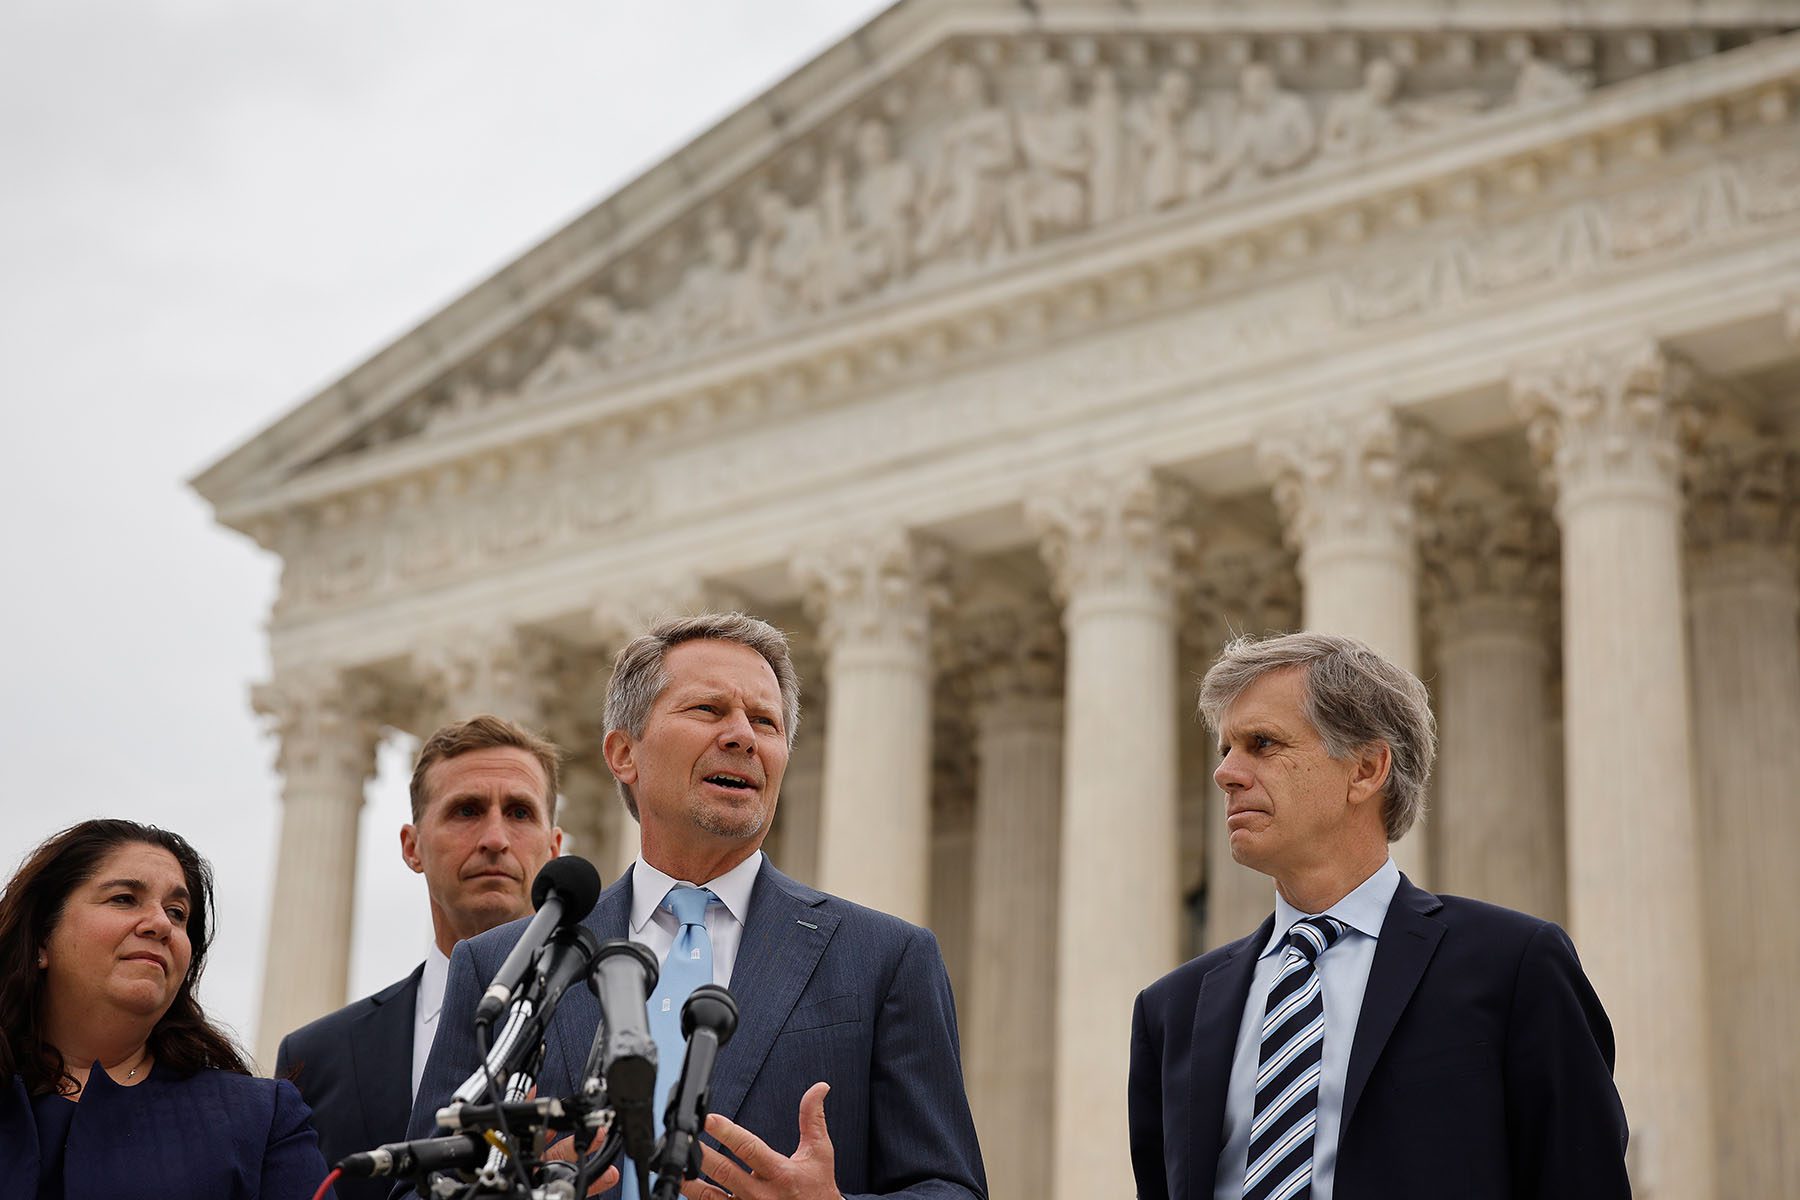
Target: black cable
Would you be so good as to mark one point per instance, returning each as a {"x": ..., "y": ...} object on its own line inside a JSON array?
[
  {"x": 595, "y": 1164},
  {"x": 511, "y": 1151}
]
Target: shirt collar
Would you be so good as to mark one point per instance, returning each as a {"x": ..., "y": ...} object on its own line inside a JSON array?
[
  {"x": 649, "y": 886},
  {"x": 432, "y": 981},
  {"x": 1363, "y": 910}
]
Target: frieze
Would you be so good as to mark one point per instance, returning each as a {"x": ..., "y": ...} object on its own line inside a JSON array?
[
  {"x": 612, "y": 477},
  {"x": 986, "y": 153}
]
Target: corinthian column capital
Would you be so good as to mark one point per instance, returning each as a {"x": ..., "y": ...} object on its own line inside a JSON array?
[
  {"x": 1743, "y": 493},
  {"x": 1013, "y": 659},
  {"x": 876, "y": 591},
  {"x": 1121, "y": 536},
  {"x": 1488, "y": 550},
  {"x": 1243, "y": 584},
  {"x": 1607, "y": 420},
  {"x": 502, "y": 671},
  {"x": 326, "y": 723},
  {"x": 1351, "y": 479}
]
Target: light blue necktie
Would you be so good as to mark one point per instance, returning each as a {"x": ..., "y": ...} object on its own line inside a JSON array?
[{"x": 688, "y": 965}]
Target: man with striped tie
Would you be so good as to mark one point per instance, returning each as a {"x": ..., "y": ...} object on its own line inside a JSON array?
[{"x": 1371, "y": 1039}]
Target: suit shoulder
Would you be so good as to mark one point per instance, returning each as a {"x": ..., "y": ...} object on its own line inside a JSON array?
[
  {"x": 247, "y": 1094},
  {"x": 1185, "y": 979},
  {"x": 497, "y": 941},
  {"x": 1491, "y": 919},
  {"x": 871, "y": 924},
  {"x": 334, "y": 1024}
]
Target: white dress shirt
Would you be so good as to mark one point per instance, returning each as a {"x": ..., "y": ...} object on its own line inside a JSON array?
[
  {"x": 426, "y": 1007},
  {"x": 1343, "y": 977},
  {"x": 655, "y": 926}
]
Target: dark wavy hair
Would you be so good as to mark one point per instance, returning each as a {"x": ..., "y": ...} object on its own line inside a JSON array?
[{"x": 183, "y": 1040}]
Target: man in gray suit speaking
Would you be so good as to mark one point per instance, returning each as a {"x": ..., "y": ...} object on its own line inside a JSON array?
[{"x": 843, "y": 1076}]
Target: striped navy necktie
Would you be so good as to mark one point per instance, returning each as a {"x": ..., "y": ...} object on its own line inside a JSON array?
[{"x": 1287, "y": 1074}]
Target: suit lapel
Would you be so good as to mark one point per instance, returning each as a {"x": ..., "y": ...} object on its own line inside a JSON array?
[
  {"x": 785, "y": 935},
  {"x": 1409, "y": 937},
  {"x": 381, "y": 1050},
  {"x": 1218, "y": 1015}
]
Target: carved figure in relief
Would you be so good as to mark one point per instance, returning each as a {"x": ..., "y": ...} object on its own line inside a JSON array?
[
  {"x": 621, "y": 336},
  {"x": 1165, "y": 132},
  {"x": 963, "y": 200},
  {"x": 1541, "y": 82},
  {"x": 1106, "y": 166},
  {"x": 1049, "y": 195},
  {"x": 882, "y": 203},
  {"x": 1360, "y": 120},
  {"x": 563, "y": 364},
  {"x": 710, "y": 301},
  {"x": 838, "y": 275},
  {"x": 1263, "y": 131},
  {"x": 786, "y": 259}
]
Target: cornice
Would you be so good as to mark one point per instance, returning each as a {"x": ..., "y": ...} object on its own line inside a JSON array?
[{"x": 836, "y": 82}]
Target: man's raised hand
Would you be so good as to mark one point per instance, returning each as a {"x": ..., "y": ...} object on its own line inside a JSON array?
[{"x": 811, "y": 1174}]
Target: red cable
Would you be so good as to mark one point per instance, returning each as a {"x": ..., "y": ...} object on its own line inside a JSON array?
[{"x": 326, "y": 1186}]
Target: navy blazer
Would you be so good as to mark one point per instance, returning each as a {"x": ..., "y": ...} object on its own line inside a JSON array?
[
  {"x": 826, "y": 990},
  {"x": 1481, "y": 1067},
  {"x": 354, "y": 1068},
  {"x": 212, "y": 1135}
]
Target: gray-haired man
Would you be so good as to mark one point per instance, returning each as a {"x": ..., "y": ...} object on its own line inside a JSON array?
[{"x": 1370, "y": 1039}]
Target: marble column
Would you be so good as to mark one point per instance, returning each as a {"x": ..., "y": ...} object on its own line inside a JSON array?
[
  {"x": 1111, "y": 543},
  {"x": 873, "y": 599},
  {"x": 588, "y": 809},
  {"x": 327, "y": 754},
  {"x": 952, "y": 898},
  {"x": 797, "y": 816},
  {"x": 1490, "y": 577},
  {"x": 1017, "y": 679},
  {"x": 1604, "y": 421},
  {"x": 1245, "y": 585},
  {"x": 1346, "y": 490},
  {"x": 1744, "y": 608}
]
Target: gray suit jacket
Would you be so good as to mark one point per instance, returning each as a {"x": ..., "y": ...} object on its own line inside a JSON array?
[{"x": 827, "y": 990}]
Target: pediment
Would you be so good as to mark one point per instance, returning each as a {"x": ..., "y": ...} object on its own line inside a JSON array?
[{"x": 971, "y": 138}]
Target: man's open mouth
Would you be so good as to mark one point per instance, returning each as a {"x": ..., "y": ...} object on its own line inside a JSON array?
[{"x": 736, "y": 782}]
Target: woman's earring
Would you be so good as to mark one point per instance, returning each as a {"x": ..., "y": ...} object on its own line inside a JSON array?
[{"x": 43, "y": 960}]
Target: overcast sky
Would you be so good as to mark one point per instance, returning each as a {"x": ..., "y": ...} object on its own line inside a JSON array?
[{"x": 208, "y": 210}]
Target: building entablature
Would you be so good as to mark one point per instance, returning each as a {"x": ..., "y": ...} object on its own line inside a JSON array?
[{"x": 974, "y": 181}]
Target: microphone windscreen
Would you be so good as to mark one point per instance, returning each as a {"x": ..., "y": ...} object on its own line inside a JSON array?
[{"x": 572, "y": 878}]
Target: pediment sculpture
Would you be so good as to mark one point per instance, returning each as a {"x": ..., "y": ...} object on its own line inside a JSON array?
[{"x": 982, "y": 166}]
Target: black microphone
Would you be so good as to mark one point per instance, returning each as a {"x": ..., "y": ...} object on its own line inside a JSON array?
[
  {"x": 708, "y": 1020},
  {"x": 417, "y": 1158},
  {"x": 624, "y": 1053},
  {"x": 563, "y": 893},
  {"x": 562, "y": 963}
]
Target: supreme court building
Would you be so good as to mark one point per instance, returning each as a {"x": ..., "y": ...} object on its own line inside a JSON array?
[{"x": 1011, "y": 356}]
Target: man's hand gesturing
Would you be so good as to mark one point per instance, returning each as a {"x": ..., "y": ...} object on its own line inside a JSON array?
[{"x": 809, "y": 1175}]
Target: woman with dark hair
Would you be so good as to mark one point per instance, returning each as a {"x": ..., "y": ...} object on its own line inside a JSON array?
[{"x": 119, "y": 1085}]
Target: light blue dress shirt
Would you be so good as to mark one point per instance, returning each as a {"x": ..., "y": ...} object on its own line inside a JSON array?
[{"x": 1343, "y": 976}]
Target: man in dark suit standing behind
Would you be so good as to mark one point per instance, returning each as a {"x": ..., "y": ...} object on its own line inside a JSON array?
[
  {"x": 1370, "y": 1039},
  {"x": 484, "y": 823},
  {"x": 843, "y": 1076}
]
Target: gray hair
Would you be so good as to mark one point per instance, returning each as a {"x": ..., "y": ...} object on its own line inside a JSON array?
[
  {"x": 638, "y": 676},
  {"x": 1354, "y": 697}
]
